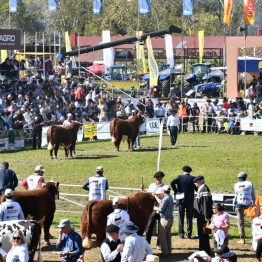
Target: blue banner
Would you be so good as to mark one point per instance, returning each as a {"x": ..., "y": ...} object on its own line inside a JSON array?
[
  {"x": 188, "y": 7},
  {"x": 97, "y": 7},
  {"x": 13, "y": 6},
  {"x": 144, "y": 7},
  {"x": 52, "y": 5}
]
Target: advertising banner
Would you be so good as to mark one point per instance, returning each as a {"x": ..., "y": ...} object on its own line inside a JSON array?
[
  {"x": 152, "y": 126},
  {"x": 253, "y": 125},
  {"x": 89, "y": 130},
  {"x": 10, "y": 39},
  {"x": 103, "y": 130}
]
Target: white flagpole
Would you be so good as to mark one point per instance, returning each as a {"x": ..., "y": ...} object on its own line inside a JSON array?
[
  {"x": 160, "y": 144},
  {"x": 78, "y": 47},
  {"x": 43, "y": 55},
  {"x": 54, "y": 56}
]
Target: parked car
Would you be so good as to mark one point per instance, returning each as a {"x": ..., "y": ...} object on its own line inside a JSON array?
[{"x": 206, "y": 90}]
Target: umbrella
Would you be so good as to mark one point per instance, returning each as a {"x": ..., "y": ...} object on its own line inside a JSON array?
[{"x": 96, "y": 69}]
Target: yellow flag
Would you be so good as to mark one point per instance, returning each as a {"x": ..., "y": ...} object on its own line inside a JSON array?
[
  {"x": 152, "y": 64},
  {"x": 67, "y": 42},
  {"x": 3, "y": 55},
  {"x": 227, "y": 11},
  {"x": 249, "y": 12},
  {"x": 201, "y": 45},
  {"x": 140, "y": 57}
]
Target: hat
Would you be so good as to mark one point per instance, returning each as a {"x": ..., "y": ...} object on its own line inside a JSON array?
[
  {"x": 159, "y": 174},
  {"x": 112, "y": 228},
  {"x": 198, "y": 178},
  {"x": 152, "y": 258},
  {"x": 64, "y": 223},
  {"x": 130, "y": 228},
  {"x": 115, "y": 200},
  {"x": 242, "y": 174},
  {"x": 187, "y": 169},
  {"x": 166, "y": 188},
  {"x": 69, "y": 114},
  {"x": 8, "y": 192},
  {"x": 99, "y": 169},
  {"x": 39, "y": 168}
]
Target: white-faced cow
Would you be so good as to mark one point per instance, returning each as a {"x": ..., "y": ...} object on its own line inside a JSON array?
[
  {"x": 65, "y": 136},
  {"x": 31, "y": 230},
  {"x": 125, "y": 130}
]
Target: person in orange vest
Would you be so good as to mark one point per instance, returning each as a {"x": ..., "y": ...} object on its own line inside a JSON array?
[{"x": 183, "y": 113}]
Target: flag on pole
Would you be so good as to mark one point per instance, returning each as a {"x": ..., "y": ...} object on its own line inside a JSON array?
[
  {"x": 169, "y": 50},
  {"x": 201, "y": 45},
  {"x": 140, "y": 56},
  {"x": 108, "y": 53},
  {"x": 227, "y": 11},
  {"x": 249, "y": 12},
  {"x": 52, "y": 5},
  {"x": 69, "y": 47},
  {"x": 152, "y": 64},
  {"x": 188, "y": 7},
  {"x": 13, "y": 6},
  {"x": 144, "y": 7},
  {"x": 97, "y": 7},
  {"x": 3, "y": 55}
]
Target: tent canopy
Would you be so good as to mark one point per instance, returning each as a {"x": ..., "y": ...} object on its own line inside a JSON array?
[{"x": 249, "y": 64}]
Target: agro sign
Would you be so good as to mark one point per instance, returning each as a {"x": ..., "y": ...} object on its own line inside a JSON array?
[{"x": 10, "y": 39}]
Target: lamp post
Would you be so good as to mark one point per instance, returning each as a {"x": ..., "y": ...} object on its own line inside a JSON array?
[{"x": 245, "y": 30}]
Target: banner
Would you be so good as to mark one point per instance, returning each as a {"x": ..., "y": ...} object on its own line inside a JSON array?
[
  {"x": 188, "y": 7},
  {"x": 201, "y": 40},
  {"x": 152, "y": 64},
  {"x": 169, "y": 51},
  {"x": 10, "y": 39},
  {"x": 52, "y": 5},
  {"x": 97, "y": 7},
  {"x": 13, "y": 6},
  {"x": 144, "y": 7},
  {"x": 103, "y": 131},
  {"x": 249, "y": 12},
  {"x": 108, "y": 53},
  {"x": 140, "y": 56},
  {"x": 152, "y": 126},
  {"x": 252, "y": 125},
  {"x": 227, "y": 11},
  {"x": 89, "y": 130}
]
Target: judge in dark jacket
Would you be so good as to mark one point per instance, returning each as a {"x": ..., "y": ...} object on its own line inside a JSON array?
[
  {"x": 203, "y": 211},
  {"x": 184, "y": 188},
  {"x": 8, "y": 178}
]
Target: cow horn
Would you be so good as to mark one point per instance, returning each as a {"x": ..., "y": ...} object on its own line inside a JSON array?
[{"x": 87, "y": 244}]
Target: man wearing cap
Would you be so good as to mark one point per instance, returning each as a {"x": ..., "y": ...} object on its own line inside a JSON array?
[
  {"x": 8, "y": 178},
  {"x": 203, "y": 211},
  {"x": 155, "y": 189},
  {"x": 36, "y": 180},
  {"x": 119, "y": 217},
  {"x": 173, "y": 126},
  {"x": 244, "y": 198},
  {"x": 69, "y": 242},
  {"x": 111, "y": 246},
  {"x": 38, "y": 124},
  {"x": 69, "y": 120},
  {"x": 97, "y": 185},
  {"x": 10, "y": 209},
  {"x": 184, "y": 187},
  {"x": 136, "y": 248}
]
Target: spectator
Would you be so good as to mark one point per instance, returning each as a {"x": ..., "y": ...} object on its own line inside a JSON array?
[
  {"x": 19, "y": 250},
  {"x": 165, "y": 209},
  {"x": 10, "y": 209},
  {"x": 244, "y": 197},
  {"x": 183, "y": 113},
  {"x": 69, "y": 120},
  {"x": 195, "y": 111},
  {"x": 136, "y": 248},
  {"x": 69, "y": 242},
  {"x": 37, "y": 130},
  {"x": 203, "y": 211},
  {"x": 8, "y": 178},
  {"x": 36, "y": 180},
  {"x": 183, "y": 187},
  {"x": 173, "y": 125},
  {"x": 111, "y": 247},
  {"x": 97, "y": 185},
  {"x": 119, "y": 217}
]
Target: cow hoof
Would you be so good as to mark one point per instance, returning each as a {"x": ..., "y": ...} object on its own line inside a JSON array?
[{"x": 87, "y": 244}]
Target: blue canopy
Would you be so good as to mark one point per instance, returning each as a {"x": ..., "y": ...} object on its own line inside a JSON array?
[{"x": 252, "y": 65}]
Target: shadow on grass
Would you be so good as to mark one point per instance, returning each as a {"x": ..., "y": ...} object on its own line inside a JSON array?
[
  {"x": 152, "y": 149},
  {"x": 84, "y": 157},
  {"x": 193, "y": 146},
  {"x": 51, "y": 247}
]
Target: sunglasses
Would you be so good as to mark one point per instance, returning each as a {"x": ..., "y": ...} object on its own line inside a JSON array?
[{"x": 16, "y": 238}]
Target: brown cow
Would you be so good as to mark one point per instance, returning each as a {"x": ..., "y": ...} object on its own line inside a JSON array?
[
  {"x": 94, "y": 216},
  {"x": 39, "y": 204},
  {"x": 65, "y": 136},
  {"x": 121, "y": 129}
]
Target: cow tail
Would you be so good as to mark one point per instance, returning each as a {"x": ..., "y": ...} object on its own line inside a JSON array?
[
  {"x": 50, "y": 146},
  {"x": 113, "y": 127},
  {"x": 87, "y": 241}
]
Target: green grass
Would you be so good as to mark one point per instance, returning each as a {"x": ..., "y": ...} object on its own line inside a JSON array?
[{"x": 217, "y": 157}]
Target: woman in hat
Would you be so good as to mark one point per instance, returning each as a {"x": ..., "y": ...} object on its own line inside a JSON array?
[{"x": 19, "y": 250}]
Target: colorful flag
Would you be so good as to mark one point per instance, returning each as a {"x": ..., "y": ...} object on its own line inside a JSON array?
[
  {"x": 97, "y": 7},
  {"x": 140, "y": 56},
  {"x": 4, "y": 55},
  {"x": 69, "y": 47},
  {"x": 144, "y": 7},
  {"x": 249, "y": 12},
  {"x": 188, "y": 7},
  {"x": 13, "y": 6},
  {"x": 227, "y": 11},
  {"x": 52, "y": 5},
  {"x": 201, "y": 45},
  {"x": 152, "y": 64}
]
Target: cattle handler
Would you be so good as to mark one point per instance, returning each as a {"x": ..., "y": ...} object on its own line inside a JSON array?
[{"x": 35, "y": 180}]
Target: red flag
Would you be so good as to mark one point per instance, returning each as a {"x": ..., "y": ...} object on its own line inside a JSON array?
[{"x": 249, "y": 12}]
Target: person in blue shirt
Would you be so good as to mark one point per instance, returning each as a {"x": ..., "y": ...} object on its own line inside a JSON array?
[{"x": 69, "y": 242}]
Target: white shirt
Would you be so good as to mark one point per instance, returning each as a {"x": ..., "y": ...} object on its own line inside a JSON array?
[
  {"x": 32, "y": 181},
  {"x": 173, "y": 121},
  {"x": 136, "y": 248},
  {"x": 154, "y": 188},
  {"x": 97, "y": 188},
  {"x": 256, "y": 231},
  {"x": 11, "y": 210},
  {"x": 20, "y": 252},
  {"x": 244, "y": 193},
  {"x": 108, "y": 255}
]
